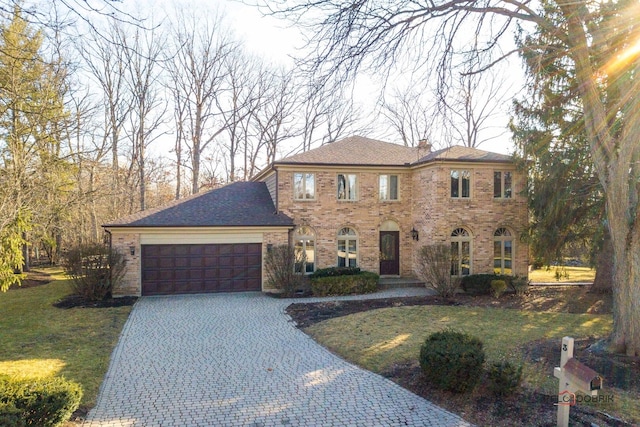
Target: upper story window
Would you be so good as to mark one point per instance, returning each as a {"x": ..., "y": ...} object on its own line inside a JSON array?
[
  {"x": 460, "y": 184},
  {"x": 502, "y": 185},
  {"x": 304, "y": 186},
  {"x": 347, "y": 186},
  {"x": 388, "y": 187}
]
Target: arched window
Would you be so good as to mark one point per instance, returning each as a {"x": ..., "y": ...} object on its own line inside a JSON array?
[
  {"x": 460, "y": 252},
  {"x": 347, "y": 247},
  {"x": 502, "y": 251},
  {"x": 304, "y": 240}
]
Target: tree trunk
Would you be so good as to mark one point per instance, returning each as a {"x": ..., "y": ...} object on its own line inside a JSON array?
[{"x": 603, "y": 282}]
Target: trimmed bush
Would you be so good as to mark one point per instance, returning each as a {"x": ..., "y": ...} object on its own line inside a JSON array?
[
  {"x": 504, "y": 378},
  {"x": 480, "y": 284},
  {"x": 520, "y": 285},
  {"x": 44, "y": 403},
  {"x": 94, "y": 270},
  {"x": 10, "y": 416},
  {"x": 498, "y": 287},
  {"x": 335, "y": 271},
  {"x": 361, "y": 283},
  {"x": 452, "y": 360}
]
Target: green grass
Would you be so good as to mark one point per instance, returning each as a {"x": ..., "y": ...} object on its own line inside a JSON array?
[
  {"x": 378, "y": 339},
  {"x": 567, "y": 274},
  {"x": 40, "y": 340},
  {"x": 375, "y": 339}
]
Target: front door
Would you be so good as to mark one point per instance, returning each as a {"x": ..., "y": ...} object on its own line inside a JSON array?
[{"x": 389, "y": 253}]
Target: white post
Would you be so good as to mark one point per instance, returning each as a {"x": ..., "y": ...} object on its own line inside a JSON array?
[{"x": 563, "y": 408}]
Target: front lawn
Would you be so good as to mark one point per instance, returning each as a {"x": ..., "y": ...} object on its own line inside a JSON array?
[
  {"x": 40, "y": 340},
  {"x": 562, "y": 274},
  {"x": 387, "y": 341}
]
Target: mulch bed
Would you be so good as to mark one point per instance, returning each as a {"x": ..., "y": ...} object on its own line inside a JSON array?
[
  {"x": 34, "y": 278},
  {"x": 526, "y": 407},
  {"x": 76, "y": 301}
]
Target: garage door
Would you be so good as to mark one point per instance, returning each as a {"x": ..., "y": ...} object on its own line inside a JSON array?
[{"x": 190, "y": 269}]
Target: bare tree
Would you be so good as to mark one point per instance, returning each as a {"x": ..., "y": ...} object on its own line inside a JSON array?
[
  {"x": 471, "y": 110},
  {"x": 107, "y": 65},
  {"x": 198, "y": 73},
  {"x": 143, "y": 52},
  {"x": 273, "y": 121},
  {"x": 408, "y": 115}
]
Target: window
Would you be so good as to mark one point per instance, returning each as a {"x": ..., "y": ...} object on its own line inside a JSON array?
[
  {"x": 347, "y": 247},
  {"x": 347, "y": 187},
  {"x": 304, "y": 239},
  {"x": 460, "y": 252},
  {"x": 502, "y": 251},
  {"x": 460, "y": 184},
  {"x": 502, "y": 185},
  {"x": 388, "y": 187},
  {"x": 304, "y": 186}
]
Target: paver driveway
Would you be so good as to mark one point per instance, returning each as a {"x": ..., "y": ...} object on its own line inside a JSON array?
[{"x": 237, "y": 360}]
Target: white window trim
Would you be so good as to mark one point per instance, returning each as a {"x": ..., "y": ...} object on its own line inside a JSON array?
[
  {"x": 347, "y": 238},
  {"x": 389, "y": 175},
  {"x": 502, "y": 239},
  {"x": 304, "y": 186},
  {"x": 357, "y": 189},
  {"x": 306, "y": 238},
  {"x": 502, "y": 187},
  {"x": 460, "y": 184},
  {"x": 460, "y": 239}
]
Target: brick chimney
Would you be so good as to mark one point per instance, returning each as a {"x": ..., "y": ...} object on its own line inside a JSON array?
[{"x": 424, "y": 147}]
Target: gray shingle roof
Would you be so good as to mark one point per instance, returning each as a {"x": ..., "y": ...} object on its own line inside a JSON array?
[
  {"x": 237, "y": 204},
  {"x": 460, "y": 153},
  {"x": 358, "y": 150}
]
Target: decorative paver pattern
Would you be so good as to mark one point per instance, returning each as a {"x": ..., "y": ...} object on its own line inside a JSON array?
[{"x": 238, "y": 360}]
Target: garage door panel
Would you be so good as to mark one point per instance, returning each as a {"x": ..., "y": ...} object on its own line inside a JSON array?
[{"x": 195, "y": 268}]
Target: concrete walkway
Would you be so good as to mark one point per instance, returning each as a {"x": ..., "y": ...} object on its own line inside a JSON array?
[{"x": 238, "y": 360}]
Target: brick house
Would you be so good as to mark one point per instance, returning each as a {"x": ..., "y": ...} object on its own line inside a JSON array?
[{"x": 355, "y": 202}]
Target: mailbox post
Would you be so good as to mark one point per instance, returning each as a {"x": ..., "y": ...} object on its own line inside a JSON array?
[{"x": 573, "y": 376}]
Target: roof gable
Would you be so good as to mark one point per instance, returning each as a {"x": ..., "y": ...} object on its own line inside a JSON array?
[
  {"x": 236, "y": 204},
  {"x": 461, "y": 153},
  {"x": 356, "y": 150},
  {"x": 361, "y": 151}
]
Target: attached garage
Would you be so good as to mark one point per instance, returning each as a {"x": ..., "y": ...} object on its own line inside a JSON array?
[
  {"x": 210, "y": 242},
  {"x": 188, "y": 269}
]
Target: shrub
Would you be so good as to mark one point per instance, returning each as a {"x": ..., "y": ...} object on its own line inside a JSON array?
[
  {"x": 335, "y": 271},
  {"x": 520, "y": 285},
  {"x": 10, "y": 416},
  {"x": 94, "y": 270},
  {"x": 43, "y": 403},
  {"x": 434, "y": 269},
  {"x": 480, "y": 284},
  {"x": 361, "y": 283},
  {"x": 498, "y": 287},
  {"x": 280, "y": 263},
  {"x": 452, "y": 360},
  {"x": 504, "y": 378}
]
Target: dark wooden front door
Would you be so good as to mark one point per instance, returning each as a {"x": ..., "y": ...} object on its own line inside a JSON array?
[
  {"x": 389, "y": 252},
  {"x": 188, "y": 269}
]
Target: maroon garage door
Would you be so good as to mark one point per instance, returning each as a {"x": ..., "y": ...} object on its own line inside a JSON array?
[{"x": 190, "y": 269}]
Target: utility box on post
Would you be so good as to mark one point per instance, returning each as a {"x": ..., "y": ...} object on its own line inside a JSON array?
[{"x": 574, "y": 377}]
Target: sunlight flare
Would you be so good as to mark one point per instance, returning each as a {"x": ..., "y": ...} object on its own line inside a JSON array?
[{"x": 624, "y": 59}]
